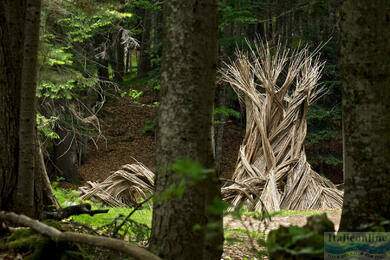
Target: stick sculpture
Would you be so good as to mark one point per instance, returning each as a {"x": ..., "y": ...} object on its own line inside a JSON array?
[{"x": 276, "y": 87}]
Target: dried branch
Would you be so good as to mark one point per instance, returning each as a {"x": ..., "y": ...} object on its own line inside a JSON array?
[
  {"x": 58, "y": 236},
  {"x": 75, "y": 210}
]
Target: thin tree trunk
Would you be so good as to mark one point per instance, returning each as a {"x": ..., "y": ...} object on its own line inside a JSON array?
[
  {"x": 219, "y": 123},
  {"x": 188, "y": 81},
  {"x": 66, "y": 157},
  {"x": 365, "y": 66},
  {"x": 48, "y": 197},
  {"x": 144, "y": 65},
  {"x": 119, "y": 57},
  {"x": 127, "y": 61}
]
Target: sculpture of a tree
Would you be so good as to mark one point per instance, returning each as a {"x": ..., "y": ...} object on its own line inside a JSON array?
[{"x": 276, "y": 86}]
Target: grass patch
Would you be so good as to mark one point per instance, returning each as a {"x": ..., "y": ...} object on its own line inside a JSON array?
[
  {"x": 131, "y": 79},
  {"x": 292, "y": 212},
  {"x": 69, "y": 197},
  {"x": 239, "y": 235}
]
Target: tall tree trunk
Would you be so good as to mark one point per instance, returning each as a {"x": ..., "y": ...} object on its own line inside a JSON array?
[
  {"x": 27, "y": 145},
  {"x": 365, "y": 66},
  {"x": 188, "y": 81},
  {"x": 119, "y": 58},
  {"x": 25, "y": 190},
  {"x": 127, "y": 61},
  {"x": 144, "y": 65},
  {"x": 219, "y": 124},
  {"x": 12, "y": 15}
]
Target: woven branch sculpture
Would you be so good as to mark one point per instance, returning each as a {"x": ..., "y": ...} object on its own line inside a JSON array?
[
  {"x": 123, "y": 188},
  {"x": 276, "y": 87}
]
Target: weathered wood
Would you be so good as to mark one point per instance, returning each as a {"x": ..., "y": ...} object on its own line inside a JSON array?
[{"x": 272, "y": 157}]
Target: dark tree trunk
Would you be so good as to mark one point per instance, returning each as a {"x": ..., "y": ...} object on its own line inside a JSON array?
[
  {"x": 144, "y": 65},
  {"x": 188, "y": 81},
  {"x": 103, "y": 74},
  {"x": 66, "y": 157},
  {"x": 12, "y": 15},
  {"x": 119, "y": 59},
  {"x": 22, "y": 184},
  {"x": 365, "y": 66}
]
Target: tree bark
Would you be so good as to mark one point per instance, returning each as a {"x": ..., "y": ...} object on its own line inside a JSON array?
[
  {"x": 27, "y": 145},
  {"x": 144, "y": 65},
  {"x": 119, "y": 56},
  {"x": 23, "y": 190},
  {"x": 12, "y": 15},
  {"x": 365, "y": 66},
  {"x": 188, "y": 82},
  {"x": 66, "y": 157}
]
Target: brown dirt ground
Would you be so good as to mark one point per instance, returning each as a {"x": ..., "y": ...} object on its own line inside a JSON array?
[{"x": 123, "y": 141}]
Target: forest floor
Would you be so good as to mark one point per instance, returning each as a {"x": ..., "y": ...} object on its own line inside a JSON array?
[
  {"x": 248, "y": 229},
  {"x": 124, "y": 122}
]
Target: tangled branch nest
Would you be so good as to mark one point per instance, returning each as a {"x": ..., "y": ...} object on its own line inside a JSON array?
[
  {"x": 276, "y": 87},
  {"x": 123, "y": 188}
]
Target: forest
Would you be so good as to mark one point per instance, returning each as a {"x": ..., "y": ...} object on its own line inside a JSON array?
[{"x": 194, "y": 129}]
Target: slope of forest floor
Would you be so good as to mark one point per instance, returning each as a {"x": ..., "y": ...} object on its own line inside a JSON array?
[{"x": 123, "y": 124}]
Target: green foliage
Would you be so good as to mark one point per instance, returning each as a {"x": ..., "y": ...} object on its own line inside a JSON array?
[
  {"x": 300, "y": 242},
  {"x": 150, "y": 126},
  {"x": 84, "y": 26},
  {"x": 245, "y": 12},
  {"x": 328, "y": 159},
  {"x": 133, "y": 93},
  {"x": 295, "y": 242},
  {"x": 239, "y": 235},
  {"x": 76, "y": 36},
  {"x": 147, "y": 4},
  {"x": 226, "y": 111},
  {"x": 69, "y": 197},
  {"x": 320, "y": 136},
  {"x": 46, "y": 125}
]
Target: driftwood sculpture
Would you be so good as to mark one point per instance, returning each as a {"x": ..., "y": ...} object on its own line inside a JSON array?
[{"x": 276, "y": 87}]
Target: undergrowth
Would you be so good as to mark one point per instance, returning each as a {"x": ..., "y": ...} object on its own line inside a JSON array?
[{"x": 71, "y": 197}]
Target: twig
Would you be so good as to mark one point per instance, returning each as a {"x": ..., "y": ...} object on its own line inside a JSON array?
[{"x": 130, "y": 214}]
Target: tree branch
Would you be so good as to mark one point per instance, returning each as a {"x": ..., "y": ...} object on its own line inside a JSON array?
[
  {"x": 83, "y": 208},
  {"x": 58, "y": 236}
]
